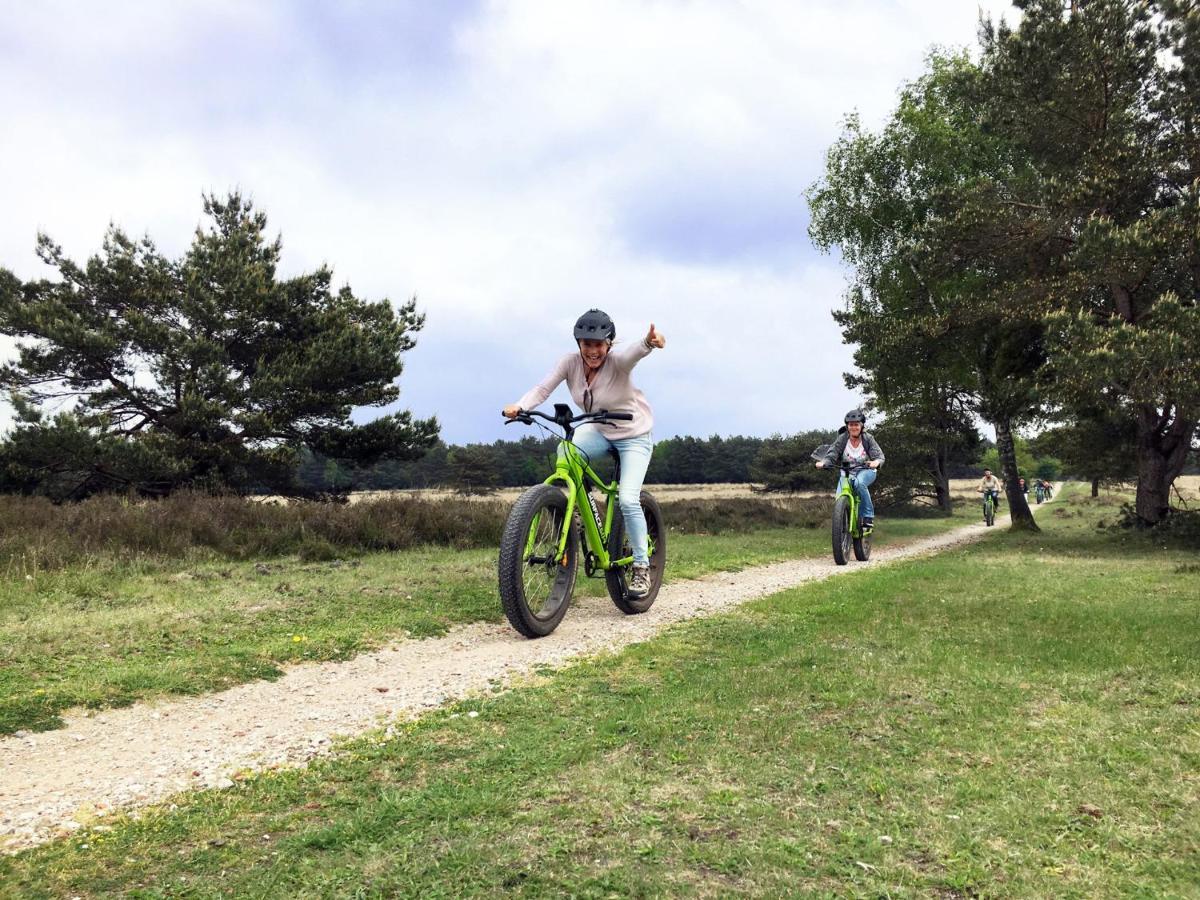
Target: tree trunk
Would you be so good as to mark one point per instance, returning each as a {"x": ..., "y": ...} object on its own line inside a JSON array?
[
  {"x": 1163, "y": 442},
  {"x": 1022, "y": 518},
  {"x": 941, "y": 483},
  {"x": 1095, "y": 487}
]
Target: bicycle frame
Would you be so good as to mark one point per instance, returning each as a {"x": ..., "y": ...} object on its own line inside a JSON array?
[
  {"x": 571, "y": 471},
  {"x": 849, "y": 489}
]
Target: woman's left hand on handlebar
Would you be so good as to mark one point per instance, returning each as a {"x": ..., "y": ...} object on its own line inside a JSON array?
[
  {"x": 654, "y": 339},
  {"x": 510, "y": 411},
  {"x": 873, "y": 464}
]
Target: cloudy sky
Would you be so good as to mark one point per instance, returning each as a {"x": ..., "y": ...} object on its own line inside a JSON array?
[{"x": 510, "y": 163}]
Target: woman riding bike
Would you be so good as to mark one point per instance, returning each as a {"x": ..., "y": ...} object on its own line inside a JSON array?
[
  {"x": 600, "y": 378},
  {"x": 862, "y": 453}
]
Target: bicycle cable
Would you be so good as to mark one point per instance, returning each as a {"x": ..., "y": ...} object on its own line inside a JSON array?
[{"x": 559, "y": 437}]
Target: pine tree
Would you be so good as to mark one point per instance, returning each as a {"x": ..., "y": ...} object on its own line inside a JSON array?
[{"x": 209, "y": 370}]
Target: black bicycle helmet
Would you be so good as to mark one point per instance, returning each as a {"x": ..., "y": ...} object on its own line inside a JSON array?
[
  {"x": 595, "y": 325},
  {"x": 855, "y": 415}
]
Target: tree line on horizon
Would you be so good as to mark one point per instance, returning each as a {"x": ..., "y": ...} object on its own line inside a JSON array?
[{"x": 775, "y": 463}]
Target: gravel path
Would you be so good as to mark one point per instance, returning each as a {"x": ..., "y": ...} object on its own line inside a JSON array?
[{"x": 52, "y": 783}]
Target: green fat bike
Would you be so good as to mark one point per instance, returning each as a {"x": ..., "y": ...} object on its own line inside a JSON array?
[
  {"x": 847, "y": 529},
  {"x": 989, "y": 509},
  {"x": 540, "y": 545}
]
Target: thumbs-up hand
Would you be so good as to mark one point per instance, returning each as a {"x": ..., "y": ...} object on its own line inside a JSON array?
[{"x": 654, "y": 339}]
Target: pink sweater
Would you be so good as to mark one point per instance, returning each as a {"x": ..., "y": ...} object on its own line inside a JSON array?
[{"x": 611, "y": 389}]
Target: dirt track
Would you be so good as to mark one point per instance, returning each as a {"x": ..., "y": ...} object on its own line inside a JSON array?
[{"x": 54, "y": 782}]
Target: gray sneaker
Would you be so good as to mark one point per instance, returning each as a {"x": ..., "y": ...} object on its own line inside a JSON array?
[{"x": 639, "y": 584}]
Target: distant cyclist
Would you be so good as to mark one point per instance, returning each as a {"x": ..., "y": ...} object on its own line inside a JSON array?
[
  {"x": 989, "y": 485},
  {"x": 599, "y": 379},
  {"x": 857, "y": 449}
]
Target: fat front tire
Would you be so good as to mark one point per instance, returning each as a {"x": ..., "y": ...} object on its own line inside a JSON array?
[
  {"x": 535, "y": 588},
  {"x": 989, "y": 515},
  {"x": 617, "y": 578},
  {"x": 841, "y": 530}
]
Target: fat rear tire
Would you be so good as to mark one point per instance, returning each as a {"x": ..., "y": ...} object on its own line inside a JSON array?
[
  {"x": 617, "y": 579},
  {"x": 536, "y": 595},
  {"x": 862, "y": 547}
]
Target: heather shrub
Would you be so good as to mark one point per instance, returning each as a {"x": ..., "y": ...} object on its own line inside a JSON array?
[{"x": 37, "y": 534}]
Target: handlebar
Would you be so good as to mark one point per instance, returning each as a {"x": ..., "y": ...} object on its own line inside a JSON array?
[
  {"x": 564, "y": 419},
  {"x": 820, "y": 453}
]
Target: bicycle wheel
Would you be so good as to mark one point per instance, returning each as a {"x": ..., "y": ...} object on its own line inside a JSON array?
[
  {"x": 618, "y": 548},
  {"x": 841, "y": 530},
  {"x": 989, "y": 513},
  {"x": 535, "y": 588},
  {"x": 862, "y": 547}
]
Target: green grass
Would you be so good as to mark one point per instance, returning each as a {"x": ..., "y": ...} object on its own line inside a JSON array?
[
  {"x": 1013, "y": 718},
  {"x": 109, "y": 635}
]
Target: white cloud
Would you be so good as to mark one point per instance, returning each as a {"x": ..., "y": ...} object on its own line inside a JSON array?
[{"x": 512, "y": 163}]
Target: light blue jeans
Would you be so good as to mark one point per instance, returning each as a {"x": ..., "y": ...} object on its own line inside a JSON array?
[
  {"x": 635, "y": 460},
  {"x": 863, "y": 479}
]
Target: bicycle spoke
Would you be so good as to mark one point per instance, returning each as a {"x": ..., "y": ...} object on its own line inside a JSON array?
[{"x": 542, "y": 564}]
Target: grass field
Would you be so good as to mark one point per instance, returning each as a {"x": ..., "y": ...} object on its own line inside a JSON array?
[
  {"x": 109, "y": 634},
  {"x": 1014, "y": 718}
]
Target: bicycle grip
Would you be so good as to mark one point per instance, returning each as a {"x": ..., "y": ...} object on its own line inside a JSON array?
[{"x": 619, "y": 417}]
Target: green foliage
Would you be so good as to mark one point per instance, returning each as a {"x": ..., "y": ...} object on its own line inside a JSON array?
[
  {"x": 715, "y": 460},
  {"x": 1102, "y": 103},
  {"x": 744, "y": 514},
  {"x": 1024, "y": 231},
  {"x": 471, "y": 470},
  {"x": 786, "y": 463},
  {"x": 676, "y": 460},
  {"x": 207, "y": 371},
  {"x": 938, "y": 338},
  {"x": 37, "y": 534},
  {"x": 1098, "y": 446},
  {"x": 1030, "y": 462},
  {"x": 1181, "y": 531}
]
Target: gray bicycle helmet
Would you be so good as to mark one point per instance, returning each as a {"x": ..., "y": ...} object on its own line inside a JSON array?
[
  {"x": 855, "y": 415},
  {"x": 595, "y": 325}
]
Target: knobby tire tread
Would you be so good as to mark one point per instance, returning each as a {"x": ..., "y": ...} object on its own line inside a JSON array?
[{"x": 512, "y": 562}]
